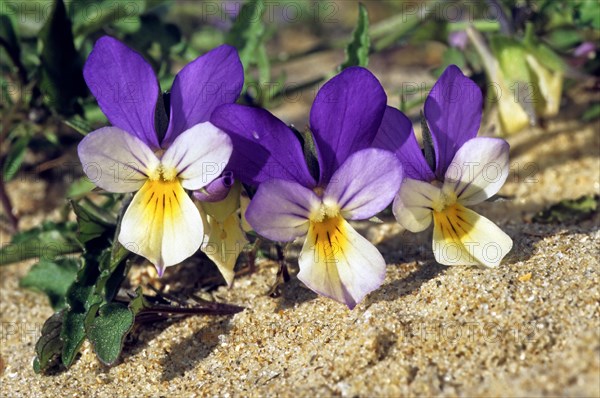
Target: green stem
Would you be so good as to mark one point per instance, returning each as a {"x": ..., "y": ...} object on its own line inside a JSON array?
[
  {"x": 480, "y": 25},
  {"x": 388, "y": 31}
]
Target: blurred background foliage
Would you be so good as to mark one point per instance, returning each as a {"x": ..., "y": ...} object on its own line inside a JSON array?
[{"x": 531, "y": 49}]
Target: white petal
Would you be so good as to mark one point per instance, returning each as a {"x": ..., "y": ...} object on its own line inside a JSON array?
[
  {"x": 413, "y": 204},
  {"x": 162, "y": 224},
  {"x": 198, "y": 155},
  {"x": 225, "y": 242},
  {"x": 337, "y": 262},
  {"x": 478, "y": 170},
  {"x": 115, "y": 160},
  {"x": 463, "y": 237}
]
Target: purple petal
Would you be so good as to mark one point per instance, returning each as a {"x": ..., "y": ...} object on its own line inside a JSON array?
[
  {"x": 280, "y": 210},
  {"x": 216, "y": 190},
  {"x": 365, "y": 184},
  {"x": 458, "y": 39},
  {"x": 263, "y": 146},
  {"x": 345, "y": 117},
  {"x": 453, "y": 113},
  {"x": 125, "y": 87},
  {"x": 396, "y": 134},
  {"x": 213, "y": 79},
  {"x": 584, "y": 49}
]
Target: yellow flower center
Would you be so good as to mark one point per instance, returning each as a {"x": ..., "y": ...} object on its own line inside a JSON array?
[
  {"x": 328, "y": 239},
  {"x": 162, "y": 173},
  {"x": 454, "y": 222},
  {"x": 162, "y": 199},
  {"x": 325, "y": 211},
  {"x": 448, "y": 214},
  {"x": 446, "y": 199},
  {"x": 326, "y": 233},
  {"x": 162, "y": 195}
]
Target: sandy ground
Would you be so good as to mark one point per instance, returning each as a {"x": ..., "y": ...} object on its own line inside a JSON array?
[{"x": 527, "y": 328}]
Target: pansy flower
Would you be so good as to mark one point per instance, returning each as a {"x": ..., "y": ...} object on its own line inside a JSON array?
[
  {"x": 467, "y": 171},
  {"x": 161, "y": 223},
  {"x": 355, "y": 181}
]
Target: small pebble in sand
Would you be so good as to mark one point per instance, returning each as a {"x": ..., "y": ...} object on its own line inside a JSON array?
[{"x": 526, "y": 277}]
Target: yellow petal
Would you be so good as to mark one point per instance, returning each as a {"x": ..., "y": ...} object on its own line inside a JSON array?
[
  {"x": 222, "y": 209},
  {"x": 162, "y": 224},
  {"x": 513, "y": 117},
  {"x": 463, "y": 237},
  {"x": 225, "y": 242},
  {"x": 337, "y": 262}
]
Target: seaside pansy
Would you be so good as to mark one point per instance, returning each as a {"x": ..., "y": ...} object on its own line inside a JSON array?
[
  {"x": 161, "y": 223},
  {"x": 354, "y": 182},
  {"x": 467, "y": 171}
]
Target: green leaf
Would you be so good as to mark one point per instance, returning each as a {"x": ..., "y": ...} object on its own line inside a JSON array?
[
  {"x": 264, "y": 66},
  {"x": 15, "y": 156},
  {"x": 387, "y": 32},
  {"x": 564, "y": 39},
  {"x": 82, "y": 305},
  {"x": 49, "y": 345},
  {"x": 112, "y": 325},
  {"x": 482, "y": 25},
  {"x": 569, "y": 211},
  {"x": 52, "y": 278},
  {"x": 113, "y": 271},
  {"x": 592, "y": 113},
  {"x": 46, "y": 242},
  {"x": 79, "y": 124},
  {"x": 588, "y": 14},
  {"x": 94, "y": 115},
  {"x": 544, "y": 54},
  {"x": 247, "y": 33},
  {"x": 92, "y": 220},
  {"x": 547, "y": 57},
  {"x": 8, "y": 38},
  {"x": 61, "y": 68},
  {"x": 154, "y": 31},
  {"x": 80, "y": 187},
  {"x": 90, "y": 16},
  {"x": 128, "y": 25},
  {"x": 511, "y": 56},
  {"x": 108, "y": 331},
  {"x": 95, "y": 284},
  {"x": 357, "y": 51},
  {"x": 139, "y": 302}
]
